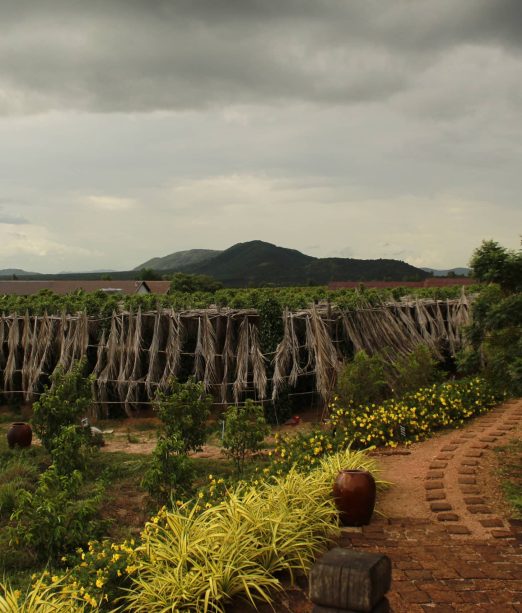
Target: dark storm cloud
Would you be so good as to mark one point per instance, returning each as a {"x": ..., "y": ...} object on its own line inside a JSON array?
[{"x": 116, "y": 55}]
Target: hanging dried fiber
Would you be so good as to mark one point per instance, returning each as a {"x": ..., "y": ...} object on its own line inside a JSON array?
[
  {"x": 112, "y": 357},
  {"x": 242, "y": 357},
  {"x": 3, "y": 336},
  {"x": 80, "y": 340},
  {"x": 326, "y": 359},
  {"x": 351, "y": 331},
  {"x": 29, "y": 335},
  {"x": 125, "y": 348},
  {"x": 258, "y": 362},
  {"x": 11, "y": 365},
  {"x": 208, "y": 342},
  {"x": 282, "y": 358},
  {"x": 41, "y": 350},
  {"x": 175, "y": 337},
  {"x": 134, "y": 372},
  {"x": 227, "y": 357},
  {"x": 295, "y": 356},
  {"x": 99, "y": 386},
  {"x": 199, "y": 362},
  {"x": 154, "y": 371}
]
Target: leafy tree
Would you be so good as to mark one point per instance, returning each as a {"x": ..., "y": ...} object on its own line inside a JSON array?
[
  {"x": 148, "y": 274},
  {"x": 245, "y": 430},
  {"x": 363, "y": 380},
  {"x": 60, "y": 515},
  {"x": 184, "y": 409},
  {"x": 171, "y": 471},
  {"x": 495, "y": 333},
  {"x": 492, "y": 263},
  {"x": 182, "y": 282},
  {"x": 63, "y": 404}
]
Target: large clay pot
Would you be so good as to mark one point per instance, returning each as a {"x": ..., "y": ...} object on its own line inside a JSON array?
[
  {"x": 19, "y": 434},
  {"x": 354, "y": 492}
]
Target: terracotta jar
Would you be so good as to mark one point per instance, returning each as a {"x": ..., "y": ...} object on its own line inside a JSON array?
[
  {"x": 19, "y": 434},
  {"x": 354, "y": 493}
]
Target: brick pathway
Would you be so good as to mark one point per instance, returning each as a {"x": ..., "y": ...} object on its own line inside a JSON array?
[
  {"x": 447, "y": 561},
  {"x": 470, "y": 561}
]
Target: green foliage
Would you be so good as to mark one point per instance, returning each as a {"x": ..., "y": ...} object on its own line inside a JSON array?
[
  {"x": 63, "y": 404},
  {"x": 240, "y": 546},
  {"x": 171, "y": 471},
  {"x": 44, "y": 597},
  {"x": 71, "y": 450},
  {"x": 413, "y": 416},
  {"x": 15, "y": 476},
  {"x": 193, "y": 283},
  {"x": 495, "y": 333},
  {"x": 103, "y": 569},
  {"x": 183, "y": 409},
  {"x": 61, "y": 514},
  {"x": 363, "y": 380},
  {"x": 493, "y": 263},
  {"x": 148, "y": 274},
  {"x": 413, "y": 371},
  {"x": 103, "y": 304},
  {"x": 245, "y": 430}
]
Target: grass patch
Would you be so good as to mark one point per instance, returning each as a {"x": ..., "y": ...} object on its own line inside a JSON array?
[{"x": 509, "y": 458}]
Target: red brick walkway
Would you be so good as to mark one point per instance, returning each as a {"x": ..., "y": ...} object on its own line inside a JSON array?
[
  {"x": 448, "y": 561},
  {"x": 471, "y": 561}
]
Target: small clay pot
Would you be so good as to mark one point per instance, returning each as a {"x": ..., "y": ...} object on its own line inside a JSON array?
[
  {"x": 354, "y": 493},
  {"x": 19, "y": 434}
]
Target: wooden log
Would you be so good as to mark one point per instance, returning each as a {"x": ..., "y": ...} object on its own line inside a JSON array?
[{"x": 350, "y": 580}]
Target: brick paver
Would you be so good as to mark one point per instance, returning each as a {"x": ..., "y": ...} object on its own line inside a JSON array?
[
  {"x": 455, "y": 569},
  {"x": 444, "y": 563}
]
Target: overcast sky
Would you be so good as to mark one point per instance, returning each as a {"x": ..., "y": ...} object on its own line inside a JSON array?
[{"x": 360, "y": 128}]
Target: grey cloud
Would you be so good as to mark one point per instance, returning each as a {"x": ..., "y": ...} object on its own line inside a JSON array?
[
  {"x": 143, "y": 55},
  {"x": 15, "y": 220}
]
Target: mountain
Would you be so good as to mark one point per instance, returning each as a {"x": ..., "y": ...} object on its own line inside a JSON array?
[
  {"x": 259, "y": 263},
  {"x": 458, "y": 272},
  {"x": 18, "y": 272},
  {"x": 179, "y": 260}
]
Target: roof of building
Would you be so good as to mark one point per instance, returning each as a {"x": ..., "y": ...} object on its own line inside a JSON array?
[
  {"x": 27, "y": 288},
  {"x": 431, "y": 282},
  {"x": 158, "y": 287}
]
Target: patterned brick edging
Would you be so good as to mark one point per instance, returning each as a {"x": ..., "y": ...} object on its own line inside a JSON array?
[{"x": 461, "y": 460}]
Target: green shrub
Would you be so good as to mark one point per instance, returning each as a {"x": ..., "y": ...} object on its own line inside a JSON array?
[
  {"x": 413, "y": 416},
  {"x": 171, "y": 471},
  {"x": 103, "y": 569},
  {"x": 413, "y": 371},
  {"x": 63, "y": 404},
  {"x": 183, "y": 410},
  {"x": 61, "y": 514},
  {"x": 363, "y": 380},
  {"x": 45, "y": 597},
  {"x": 240, "y": 547},
  {"x": 16, "y": 476},
  {"x": 245, "y": 430},
  {"x": 72, "y": 450},
  {"x": 495, "y": 340}
]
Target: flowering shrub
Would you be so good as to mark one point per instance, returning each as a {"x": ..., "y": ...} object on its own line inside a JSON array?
[
  {"x": 407, "y": 419},
  {"x": 413, "y": 416},
  {"x": 96, "y": 575}
]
